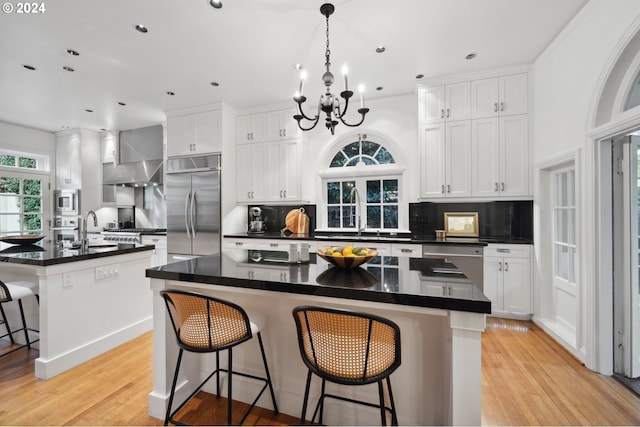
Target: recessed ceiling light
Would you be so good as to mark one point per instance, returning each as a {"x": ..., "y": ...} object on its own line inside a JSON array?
[
  {"x": 470, "y": 56},
  {"x": 215, "y": 3},
  {"x": 29, "y": 67},
  {"x": 121, "y": 103},
  {"x": 380, "y": 49},
  {"x": 73, "y": 52},
  {"x": 88, "y": 110},
  {"x": 379, "y": 88},
  {"x": 216, "y": 84},
  {"x": 69, "y": 69},
  {"x": 103, "y": 129},
  {"x": 170, "y": 93},
  {"x": 141, "y": 28},
  {"x": 419, "y": 76}
]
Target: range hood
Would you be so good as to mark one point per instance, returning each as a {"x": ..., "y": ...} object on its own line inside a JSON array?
[
  {"x": 140, "y": 153},
  {"x": 133, "y": 174}
]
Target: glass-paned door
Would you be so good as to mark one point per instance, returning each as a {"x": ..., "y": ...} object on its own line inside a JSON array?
[
  {"x": 22, "y": 203},
  {"x": 565, "y": 289}
]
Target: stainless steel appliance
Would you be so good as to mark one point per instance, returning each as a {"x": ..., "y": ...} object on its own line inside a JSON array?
[
  {"x": 66, "y": 202},
  {"x": 256, "y": 224},
  {"x": 66, "y": 229},
  {"x": 466, "y": 259},
  {"x": 127, "y": 235},
  {"x": 193, "y": 206}
]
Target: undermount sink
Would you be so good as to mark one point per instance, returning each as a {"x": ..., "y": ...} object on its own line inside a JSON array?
[{"x": 360, "y": 238}]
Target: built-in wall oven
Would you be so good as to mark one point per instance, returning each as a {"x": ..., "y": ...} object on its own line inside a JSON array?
[
  {"x": 66, "y": 229},
  {"x": 66, "y": 202}
]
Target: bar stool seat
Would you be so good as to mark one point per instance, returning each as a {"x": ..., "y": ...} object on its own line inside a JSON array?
[
  {"x": 348, "y": 348},
  {"x": 205, "y": 324},
  {"x": 16, "y": 291}
]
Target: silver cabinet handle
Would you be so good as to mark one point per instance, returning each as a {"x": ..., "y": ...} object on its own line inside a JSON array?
[
  {"x": 506, "y": 266},
  {"x": 442, "y": 190},
  {"x": 239, "y": 243},
  {"x": 501, "y": 250},
  {"x": 273, "y": 245},
  {"x": 496, "y": 187},
  {"x": 405, "y": 250},
  {"x": 281, "y": 194},
  {"x": 448, "y": 188},
  {"x": 442, "y": 114},
  {"x": 502, "y": 187},
  {"x": 248, "y": 136},
  {"x": 495, "y": 107},
  {"x": 502, "y": 106},
  {"x": 448, "y": 291},
  {"x": 448, "y": 110},
  {"x": 284, "y": 132},
  {"x": 194, "y": 213},
  {"x": 248, "y": 194},
  {"x": 500, "y": 266},
  {"x": 285, "y": 194}
]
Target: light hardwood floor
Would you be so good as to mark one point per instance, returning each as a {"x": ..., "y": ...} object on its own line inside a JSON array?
[{"x": 527, "y": 379}]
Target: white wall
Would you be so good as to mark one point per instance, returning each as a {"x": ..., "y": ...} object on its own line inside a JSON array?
[
  {"x": 567, "y": 80},
  {"x": 20, "y": 138}
]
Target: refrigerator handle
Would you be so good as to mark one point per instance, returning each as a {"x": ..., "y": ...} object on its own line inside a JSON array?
[
  {"x": 193, "y": 214},
  {"x": 186, "y": 213}
]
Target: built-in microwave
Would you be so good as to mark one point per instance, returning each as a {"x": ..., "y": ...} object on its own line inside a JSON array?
[{"x": 66, "y": 202}]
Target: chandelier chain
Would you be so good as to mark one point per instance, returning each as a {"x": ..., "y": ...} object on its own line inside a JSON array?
[{"x": 327, "y": 54}]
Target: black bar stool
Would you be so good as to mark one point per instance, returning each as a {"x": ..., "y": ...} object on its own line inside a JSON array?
[
  {"x": 349, "y": 348},
  {"x": 16, "y": 291},
  {"x": 205, "y": 324}
]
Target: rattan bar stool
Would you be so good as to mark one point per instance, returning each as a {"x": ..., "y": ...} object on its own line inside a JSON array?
[
  {"x": 205, "y": 324},
  {"x": 16, "y": 291},
  {"x": 350, "y": 348}
]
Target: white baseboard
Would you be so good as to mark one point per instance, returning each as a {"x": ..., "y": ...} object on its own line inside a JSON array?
[{"x": 559, "y": 334}]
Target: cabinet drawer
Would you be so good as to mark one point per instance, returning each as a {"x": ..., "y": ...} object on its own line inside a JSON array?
[
  {"x": 512, "y": 251},
  {"x": 408, "y": 250}
]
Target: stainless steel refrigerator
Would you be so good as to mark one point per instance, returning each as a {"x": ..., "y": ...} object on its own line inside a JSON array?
[{"x": 192, "y": 192}]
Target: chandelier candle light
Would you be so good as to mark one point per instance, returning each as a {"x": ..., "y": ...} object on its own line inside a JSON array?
[{"x": 329, "y": 103}]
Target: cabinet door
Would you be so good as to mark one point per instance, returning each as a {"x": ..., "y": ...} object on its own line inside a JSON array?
[
  {"x": 243, "y": 129},
  {"x": 431, "y": 108},
  {"x": 485, "y": 143},
  {"x": 517, "y": 285},
  {"x": 68, "y": 161},
  {"x": 207, "y": 132},
  {"x": 244, "y": 173},
  {"x": 180, "y": 135},
  {"x": 457, "y": 100},
  {"x": 513, "y": 94},
  {"x": 458, "y": 155},
  {"x": 433, "y": 288},
  {"x": 492, "y": 281},
  {"x": 289, "y": 171},
  {"x": 514, "y": 149},
  {"x": 484, "y": 98},
  {"x": 459, "y": 290},
  {"x": 432, "y": 161},
  {"x": 260, "y": 168},
  {"x": 251, "y": 128},
  {"x": 109, "y": 148},
  {"x": 273, "y": 172},
  {"x": 290, "y": 128}
]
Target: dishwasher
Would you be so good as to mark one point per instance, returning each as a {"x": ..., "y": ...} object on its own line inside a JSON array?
[{"x": 467, "y": 260}]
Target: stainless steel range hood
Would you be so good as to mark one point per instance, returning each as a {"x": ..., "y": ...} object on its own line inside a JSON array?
[
  {"x": 140, "y": 153},
  {"x": 133, "y": 174}
]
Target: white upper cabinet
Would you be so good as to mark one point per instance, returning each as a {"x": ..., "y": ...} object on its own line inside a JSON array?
[
  {"x": 198, "y": 133},
  {"x": 109, "y": 147},
  {"x": 281, "y": 125},
  {"x": 445, "y": 153},
  {"x": 78, "y": 155},
  {"x": 276, "y": 125},
  {"x": 68, "y": 160},
  {"x": 251, "y": 128},
  {"x": 499, "y": 96},
  {"x": 444, "y": 103}
]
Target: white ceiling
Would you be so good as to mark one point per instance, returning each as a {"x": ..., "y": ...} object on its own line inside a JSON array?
[{"x": 250, "y": 48}]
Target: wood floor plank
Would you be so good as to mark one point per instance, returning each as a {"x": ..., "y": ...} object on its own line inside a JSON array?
[{"x": 527, "y": 379}]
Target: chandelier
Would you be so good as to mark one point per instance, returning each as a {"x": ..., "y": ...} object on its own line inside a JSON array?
[{"x": 329, "y": 103}]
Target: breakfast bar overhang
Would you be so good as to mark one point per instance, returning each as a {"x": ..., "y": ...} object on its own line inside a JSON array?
[{"x": 438, "y": 382}]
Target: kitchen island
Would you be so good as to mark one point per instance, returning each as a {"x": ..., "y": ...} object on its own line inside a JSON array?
[
  {"x": 438, "y": 382},
  {"x": 91, "y": 300}
]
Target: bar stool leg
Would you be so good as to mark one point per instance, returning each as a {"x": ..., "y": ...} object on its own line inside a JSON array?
[
  {"x": 306, "y": 398},
  {"x": 394, "y": 417},
  {"x": 173, "y": 388},
  {"x": 24, "y": 324},
  {"x": 6, "y": 324},
  {"x": 383, "y": 412},
  {"x": 266, "y": 370},
  {"x": 229, "y": 400},
  {"x": 321, "y": 402},
  {"x": 218, "y": 374}
]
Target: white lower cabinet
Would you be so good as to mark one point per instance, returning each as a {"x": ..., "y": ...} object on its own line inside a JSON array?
[
  {"x": 507, "y": 279},
  {"x": 447, "y": 289},
  {"x": 406, "y": 250},
  {"x": 159, "y": 254}
]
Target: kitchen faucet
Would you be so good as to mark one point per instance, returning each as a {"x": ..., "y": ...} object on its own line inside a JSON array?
[
  {"x": 358, "y": 209},
  {"x": 85, "y": 239}
]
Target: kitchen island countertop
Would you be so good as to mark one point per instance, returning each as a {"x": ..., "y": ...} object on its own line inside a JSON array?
[{"x": 47, "y": 253}]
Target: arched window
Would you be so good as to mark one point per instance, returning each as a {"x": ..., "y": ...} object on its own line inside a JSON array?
[
  {"x": 362, "y": 187},
  {"x": 634, "y": 95}
]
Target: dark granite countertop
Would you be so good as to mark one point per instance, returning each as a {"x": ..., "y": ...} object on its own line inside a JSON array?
[
  {"x": 47, "y": 253},
  {"x": 405, "y": 281},
  {"x": 401, "y": 238}
]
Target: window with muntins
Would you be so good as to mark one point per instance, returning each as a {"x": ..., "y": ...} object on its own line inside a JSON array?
[{"x": 371, "y": 200}]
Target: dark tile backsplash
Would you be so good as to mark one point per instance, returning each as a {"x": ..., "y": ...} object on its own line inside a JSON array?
[
  {"x": 503, "y": 219},
  {"x": 274, "y": 216}
]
